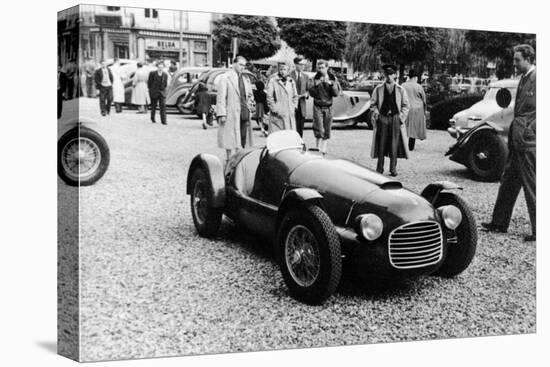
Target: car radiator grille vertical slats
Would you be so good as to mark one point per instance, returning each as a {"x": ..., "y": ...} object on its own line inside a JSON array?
[{"x": 415, "y": 245}]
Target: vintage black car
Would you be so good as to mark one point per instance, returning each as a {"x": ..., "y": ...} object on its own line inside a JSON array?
[{"x": 318, "y": 210}]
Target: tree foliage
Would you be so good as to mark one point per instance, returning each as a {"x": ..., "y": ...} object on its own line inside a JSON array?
[
  {"x": 403, "y": 45},
  {"x": 257, "y": 36},
  {"x": 358, "y": 50},
  {"x": 498, "y": 46},
  {"x": 314, "y": 39}
]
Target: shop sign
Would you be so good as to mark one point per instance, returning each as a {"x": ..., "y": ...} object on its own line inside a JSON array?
[{"x": 164, "y": 44}]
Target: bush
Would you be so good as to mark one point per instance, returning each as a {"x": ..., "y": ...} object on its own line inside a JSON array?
[{"x": 442, "y": 111}]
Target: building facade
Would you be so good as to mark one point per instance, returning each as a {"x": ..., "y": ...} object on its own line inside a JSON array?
[{"x": 145, "y": 34}]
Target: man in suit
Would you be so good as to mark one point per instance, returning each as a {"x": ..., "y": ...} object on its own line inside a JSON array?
[
  {"x": 390, "y": 107},
  {"x": 301, "y": 80},
  {"x": 520, "y": 169},
  {"x": 61, "y": 87},
  {"x": 104, "y": 84},
  {"x": 157, "y": 83}
]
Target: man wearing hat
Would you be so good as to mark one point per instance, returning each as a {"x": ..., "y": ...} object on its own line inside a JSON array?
[
  {"x": 416, "y": 119},
  {"x": 301, "y": 80},
  {"x": 390, "y": 107}
]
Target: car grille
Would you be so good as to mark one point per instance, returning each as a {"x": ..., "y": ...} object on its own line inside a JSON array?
[{"x": 415, "y": 245}]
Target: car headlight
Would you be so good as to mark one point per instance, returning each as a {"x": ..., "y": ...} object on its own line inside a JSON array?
[
  {"x": 452, "y": 216},
  {"x": 370, "y": 226}
]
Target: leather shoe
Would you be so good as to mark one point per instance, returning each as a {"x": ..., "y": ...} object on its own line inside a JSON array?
[
  {"x": 393, "y": 174},
  {"x": 530, "y": 238},
  {"x": 491, "y": 227},
  {"x": 153, "y": 121}
]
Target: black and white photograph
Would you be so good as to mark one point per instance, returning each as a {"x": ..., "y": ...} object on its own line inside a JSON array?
[
  {"x": 257, "y": 210},
  {"x": 232, "y": 181}
]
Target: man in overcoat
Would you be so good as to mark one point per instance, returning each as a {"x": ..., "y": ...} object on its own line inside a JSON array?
[
  {"x": 390, "y": 107},
  {"x": 302, "y": 85},
  {"x": 157, "y": 83},
  {"x": 104, "y": 84},
  {"x": 520, "y": 169},
  {"x": 281, "y": 100},
  {"x": 61, "y": 88},
  {"x": 234, "y": 96}
]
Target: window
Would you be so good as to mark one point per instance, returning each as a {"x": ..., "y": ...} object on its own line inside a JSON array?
[
  {"x": 113, "y": 8},
  {"x": 151, "y": 13}
]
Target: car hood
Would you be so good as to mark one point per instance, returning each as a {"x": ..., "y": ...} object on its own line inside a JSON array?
[{"x": 372, "y": 191}]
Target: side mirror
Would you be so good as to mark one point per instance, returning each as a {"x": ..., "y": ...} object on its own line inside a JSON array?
[{"x": 504, "y": 97}]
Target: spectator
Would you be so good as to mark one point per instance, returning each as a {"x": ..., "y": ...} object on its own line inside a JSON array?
[
  {"x": 61, "y": 87},
  {"x": 118, "y": 85},
  {"x": 281, "y": 100},
  {"x": 203, "y": 105},
  {"x": 89, "y": 70},
  {"x": 260, "y": 98},
  {"x": 323, "y": 89},
  {"x": 70, "y": 72},
  {"x": 104, "y": 83},
  {"x": 416, "y": 119},
  {"x": 390, "y": 108},
  {"x": 302, "y": 85},
  {"x": 157, "y": 83},
  {"x": 140, "y": 92},
  {"x": 232, "y": 107}
]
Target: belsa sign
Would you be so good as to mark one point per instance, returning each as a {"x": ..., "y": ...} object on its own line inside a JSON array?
[{"x": 163, "y": 44}]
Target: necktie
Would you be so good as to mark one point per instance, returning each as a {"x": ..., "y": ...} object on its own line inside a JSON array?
[{"x": 298, "y": 82}]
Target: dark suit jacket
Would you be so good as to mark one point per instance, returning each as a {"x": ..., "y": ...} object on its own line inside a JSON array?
[
  {"x": 523, "y": 131},
  {"x": 301, "y": 87},
  {"x": 157, "y": 84},
  {"x": 98, "y": 77},
  {"x": 62, "y": 82}
]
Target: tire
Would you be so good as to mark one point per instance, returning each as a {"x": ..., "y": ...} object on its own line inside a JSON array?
[
  {"x": 323, "y": 252},
  {"x": 486, "y": 156},
  {"x": 179, "y": 104},
  {"x": 83, "y": 156},
  {"x": 207, "y": 220},
  {"x": 461, "y": 251}
]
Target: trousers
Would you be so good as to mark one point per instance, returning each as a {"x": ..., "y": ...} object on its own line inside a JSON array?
[
  {"x": 388, "y": 130},
  {"x": 105, "y": 99}
]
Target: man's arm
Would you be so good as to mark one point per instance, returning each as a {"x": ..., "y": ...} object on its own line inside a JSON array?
[
  {"x": 150, "y": 81},
  {"x": 404, "y": 106},
  {"x": 221, "y": 102},
  {"x": 270, "y": 95}
]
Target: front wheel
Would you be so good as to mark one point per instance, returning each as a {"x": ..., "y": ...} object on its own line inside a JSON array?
[
  {"x": 487, "y": 156},
  {"x": 83, "y": 156},
  {"x": 461, "y": 245},
  {"x": 207, "y": 219},
  {"x": 309, "y": 254},
  {"x": 180, "y": 105}
]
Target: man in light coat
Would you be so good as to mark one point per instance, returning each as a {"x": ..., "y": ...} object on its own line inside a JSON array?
[
  {"x": 233, "y": 102},
  {"x": 281, "y": 100},
  {"x": 520, "y": 170},
  {"x": 390, "y": 107}
]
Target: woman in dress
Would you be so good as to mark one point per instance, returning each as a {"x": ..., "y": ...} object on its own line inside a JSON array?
[
  {"x": 416, "y": 119},
  {"x": 140, "y": 92}
]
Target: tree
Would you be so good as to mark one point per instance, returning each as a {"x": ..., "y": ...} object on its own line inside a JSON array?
[
  {"x": 314, "y": 39},
  {"x": 358, "y": 50},
  {"x": 499, "y": 46},
  {"x": 403, "y": 45},
  {"x": 257, "y": 36}
]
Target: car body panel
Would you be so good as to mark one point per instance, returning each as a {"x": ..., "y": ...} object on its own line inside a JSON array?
[{"x": 181, "y": 82}]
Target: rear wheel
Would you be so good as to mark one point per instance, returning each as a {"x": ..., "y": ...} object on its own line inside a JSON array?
[
  {"x": 487, "y": 156},
  {"x": 207, "y": 219},
  {"x": 309, "y": 254},
  {"x": 179, "y": 104},
  {"x": 461, "y": 246}
]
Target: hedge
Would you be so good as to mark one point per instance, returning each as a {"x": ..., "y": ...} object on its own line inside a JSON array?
[{"x": 442, "y": 111}]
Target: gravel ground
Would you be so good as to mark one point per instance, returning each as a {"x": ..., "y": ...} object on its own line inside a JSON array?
[{"x": 151, "y": 287}]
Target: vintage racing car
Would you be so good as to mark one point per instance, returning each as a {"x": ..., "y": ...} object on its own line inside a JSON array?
[{"x": 318, "y": 210}]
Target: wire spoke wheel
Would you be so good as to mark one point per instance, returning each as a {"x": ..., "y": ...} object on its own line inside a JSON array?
[
  {"x": 81, "y": 158},
  {"x": 200, "y": 201},
  {"x": 302, "y": 256}
]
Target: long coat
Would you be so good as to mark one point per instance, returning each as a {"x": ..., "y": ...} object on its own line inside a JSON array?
[
  {"x": 416, "y": 119},
  {"x": 282, "y": 100},
  {"x": 140, "y": 93},
  {"x": 302, "y": 86},
  {"x": 228, "y": 104},
  {"x": 157, "y": 84},
  {"x": 403, "y": 105},
  {"x": 118, "y": 85}
]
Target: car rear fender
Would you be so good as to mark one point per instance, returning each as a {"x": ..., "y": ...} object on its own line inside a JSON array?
[
  {"x": 214, "y": 171},
  {"x": 487, "y": 125},
  {"x": 432, "y": 191},
  {"x": 298, "y": 196}
]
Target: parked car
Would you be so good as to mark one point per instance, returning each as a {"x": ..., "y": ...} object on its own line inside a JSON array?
[
  {"x": 482, "y": 130},
  {"x": 349, "y": 106},
  {"x": 83, "y": 155},
  {"x": 317, "y": 210},
  {"x": 180, "y": 84},
  {"x": 469, "y": 85}
]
